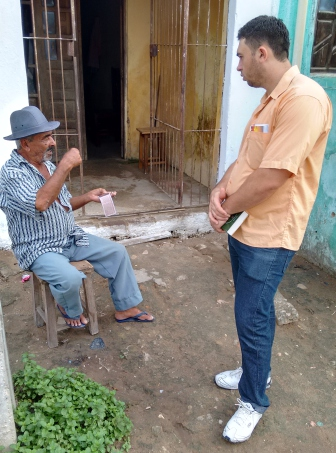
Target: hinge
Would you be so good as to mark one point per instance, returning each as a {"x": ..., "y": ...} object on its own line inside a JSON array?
[{"x": 154, "y": 50}]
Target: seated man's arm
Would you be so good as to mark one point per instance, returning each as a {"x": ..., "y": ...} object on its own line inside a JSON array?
[
  {"x": 49, "y": 192},
  {"x": 93, "y": 195}
]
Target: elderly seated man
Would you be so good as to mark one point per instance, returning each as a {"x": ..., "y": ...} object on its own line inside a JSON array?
[{"x": 45, "y": 238}]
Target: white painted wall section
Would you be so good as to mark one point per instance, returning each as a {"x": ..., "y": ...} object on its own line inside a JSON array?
[
  {"x": 13, "y": 83},
  {"x": 239, "y": 100},
  {"x": 7, "y": 398}
]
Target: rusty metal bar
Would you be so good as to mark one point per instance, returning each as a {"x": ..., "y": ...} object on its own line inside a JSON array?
[
  {"x": 151, "y": 68},
  {"x": 62, "y": 73},
  {"x": 152, "y": 119},
  {"x": 204, "y": 87},
  {"x": 77, "y": 91},
  {"x": 36, "y": 38},
  {"x": 183, "y": 96},
  {"x": 193, "y": 160},
  {"x": 35, "y": 55},
  {"x": 167, "y": 106},
  {"x": 215, "y": 85},
  {"x": 49, "y": 61}
]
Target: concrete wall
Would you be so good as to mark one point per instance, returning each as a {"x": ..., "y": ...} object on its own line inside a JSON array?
[
  {"x": 137, "y": 72},
  {"x": 7, "y": 397},
  {"x": 13, "y": 83},
  {"x": 319, "y": 244}
]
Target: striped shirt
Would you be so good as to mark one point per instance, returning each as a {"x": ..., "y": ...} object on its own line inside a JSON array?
[{"x": 33, "y": 232}]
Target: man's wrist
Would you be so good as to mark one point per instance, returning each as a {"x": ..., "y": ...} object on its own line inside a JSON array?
[{"x": 226, "y": 207}]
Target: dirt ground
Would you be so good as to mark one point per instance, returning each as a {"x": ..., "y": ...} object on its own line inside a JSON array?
[{"x": 164, "y": 371}]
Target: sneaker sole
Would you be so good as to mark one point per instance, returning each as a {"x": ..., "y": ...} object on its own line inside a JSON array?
[{"x": 235, "y": 441}]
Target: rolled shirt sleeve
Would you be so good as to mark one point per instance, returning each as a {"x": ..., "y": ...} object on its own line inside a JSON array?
[{"x": 293, "y": 139}]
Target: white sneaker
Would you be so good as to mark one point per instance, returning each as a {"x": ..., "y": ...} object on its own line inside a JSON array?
[
  {"x": 241, "y": 425},
  {"x": 230, "y": 379}
]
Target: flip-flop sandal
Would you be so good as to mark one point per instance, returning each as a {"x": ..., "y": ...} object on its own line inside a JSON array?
[
  {"x": 65, "y": 316},
  {"x": 136, "y": 318}
]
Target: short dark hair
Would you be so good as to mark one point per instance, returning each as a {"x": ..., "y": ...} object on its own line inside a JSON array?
[{"x": 269, "y": 30}]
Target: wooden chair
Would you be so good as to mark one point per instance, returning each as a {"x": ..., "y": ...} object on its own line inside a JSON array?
[
  {"x": 158, "y": 157},
  {"x": 44, "y": 304}
]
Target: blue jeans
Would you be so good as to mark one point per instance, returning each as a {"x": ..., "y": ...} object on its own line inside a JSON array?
[
  {"x": 257, "y": 273},
  {"x": 109, "y": 259}
]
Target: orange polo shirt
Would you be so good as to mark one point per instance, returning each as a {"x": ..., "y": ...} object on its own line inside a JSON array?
[{"x": 298, "y": 116}]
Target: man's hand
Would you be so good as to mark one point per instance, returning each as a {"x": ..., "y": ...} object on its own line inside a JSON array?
[
  {"x": 71, "y": 158},
  {"x": 94, "y": 194},
  {"x": 217, "y": 215}
]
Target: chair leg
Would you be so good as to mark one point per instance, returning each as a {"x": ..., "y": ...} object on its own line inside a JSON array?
[
  {"x": 37, "y": 302},
  {"x": 44, "y": 304},
  {"x": 50, "y": 314},
  {"x": 90, "y": 304}
]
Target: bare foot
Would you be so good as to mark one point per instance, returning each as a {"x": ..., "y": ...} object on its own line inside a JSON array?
[
  {"x": 120, "y": 315},
  {"x": 73, "y": 322}
]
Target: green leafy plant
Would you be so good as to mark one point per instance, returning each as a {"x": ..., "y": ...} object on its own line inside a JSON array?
[{"x": 62, "y": 411}]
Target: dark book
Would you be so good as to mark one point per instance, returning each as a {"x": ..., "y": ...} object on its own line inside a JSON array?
[{"x": 234, "y": 222}]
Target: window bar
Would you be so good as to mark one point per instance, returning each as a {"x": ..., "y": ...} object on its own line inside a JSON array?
[
  {"x": 176, "y": 44},
  {"x": 169, "y": 98},
  {"x": 62, "y": 74},
  {"x": 77, "y": 92},
  {"x": 204, "y": 134},
  {"x": 217, "y": 81},
  {"x": 163, "y": 25},
  {"x": 183, "y": 96},
  {"x": 193, "y": 125},
  {"x": 49, "y": 62},
  {"x": 152, "y": 79},
  {"x": 36, "y": 56}
]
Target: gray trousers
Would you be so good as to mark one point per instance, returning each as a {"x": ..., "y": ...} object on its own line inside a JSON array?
[{"x": 109, "y": 259}]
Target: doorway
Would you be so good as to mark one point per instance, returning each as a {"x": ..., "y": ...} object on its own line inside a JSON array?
[{"x": 101, "y": 46}]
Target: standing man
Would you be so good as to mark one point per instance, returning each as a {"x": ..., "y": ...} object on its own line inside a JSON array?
[
  {"x": 41, "y": 225},
  {"x": 275, "y": 179}
]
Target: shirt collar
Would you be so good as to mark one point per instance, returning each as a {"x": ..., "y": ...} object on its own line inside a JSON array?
[
  {"x": 283, "y": 84},
  {"x": 18, "y": 159}
]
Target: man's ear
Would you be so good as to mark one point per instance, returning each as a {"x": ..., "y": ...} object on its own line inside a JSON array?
[
  {"x": 24, "y": 144},
  {"x": 262, "y": 53}
]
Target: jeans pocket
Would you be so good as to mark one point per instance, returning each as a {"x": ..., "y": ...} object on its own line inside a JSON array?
[{"x": 288, "y": 259}]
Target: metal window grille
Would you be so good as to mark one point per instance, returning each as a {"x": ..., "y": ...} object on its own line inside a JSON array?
[
  {"x": 188, "y": 46},
  {"x": 324, "y": 48},
  {"x": 51, "y": 57}
]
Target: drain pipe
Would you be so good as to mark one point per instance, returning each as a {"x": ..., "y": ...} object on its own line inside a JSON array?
[{"x": 300, "y": 29}]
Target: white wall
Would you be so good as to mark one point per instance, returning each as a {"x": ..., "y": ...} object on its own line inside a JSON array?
[
  {"x": 239, "y": 100},
  {"x": 13, "y": 84}
]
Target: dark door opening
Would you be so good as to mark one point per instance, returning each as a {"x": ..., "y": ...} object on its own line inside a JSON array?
[{"x": 101, "y": 56}]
